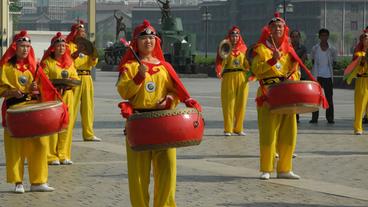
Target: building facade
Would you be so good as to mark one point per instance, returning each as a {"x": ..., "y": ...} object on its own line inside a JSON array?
[{"x": 345, "y": 20}]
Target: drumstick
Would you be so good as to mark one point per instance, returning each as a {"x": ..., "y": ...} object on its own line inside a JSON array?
[
  {"x": 35, "y": 93},
  {"x": 273, "y": 42},
  {"x": 126, "y": 44}
]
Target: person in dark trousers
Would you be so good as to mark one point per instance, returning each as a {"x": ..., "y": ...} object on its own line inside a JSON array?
[{"x": 323, "y": 57}]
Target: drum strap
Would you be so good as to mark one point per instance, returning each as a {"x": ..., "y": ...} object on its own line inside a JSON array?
[
  {"x": 272, "y": 80},
  {"x": 145, "y": 110},
  {"x": 13, "y": 101},
  {"x": 232, "y": 70},
  {"x": 84, "y": 72}
]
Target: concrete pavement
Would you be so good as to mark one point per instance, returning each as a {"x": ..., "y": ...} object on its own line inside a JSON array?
[{"x": 219, "y": 172}]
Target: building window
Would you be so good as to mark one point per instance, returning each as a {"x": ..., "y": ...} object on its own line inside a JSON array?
[
  {"x": 354, "y": 8},
  {"x": 354, "y": 25}
]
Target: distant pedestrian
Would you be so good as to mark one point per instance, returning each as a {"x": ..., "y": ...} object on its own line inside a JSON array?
[{"x": 323, "y": 57}]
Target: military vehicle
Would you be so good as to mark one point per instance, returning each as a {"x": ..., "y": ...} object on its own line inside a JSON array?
[
  {"x": 114, "y": 52},
  {"x": 178, "y": 46}
]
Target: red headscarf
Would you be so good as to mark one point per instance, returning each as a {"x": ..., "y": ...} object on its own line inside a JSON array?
[
  {"x": 74, "y": 31},
  {"x": 48, "y": 92},
  {"x": 157, "y": 51},
  {"x": 238, "y": 47},
  {"x": 11, "y": 51},
  {"x": 359, "y": 47},
  {"x": 65, "y": 61},
  {"x": 146, "y": 29}
]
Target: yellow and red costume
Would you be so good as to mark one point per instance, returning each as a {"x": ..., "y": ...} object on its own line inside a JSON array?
[
  {"x": 359, "y": 69},
  {"x": 276, "y": 131},
  {"x": 83, "y": 94},
  {"x": 234, "y": 84},
  {"x": 60, "y": 144},
  {"x": 33, "y": 149},
  {"x": 143, "y": 94}
]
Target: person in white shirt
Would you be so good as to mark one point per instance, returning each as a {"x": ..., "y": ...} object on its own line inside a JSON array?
[{"x": 323, "y": 56}]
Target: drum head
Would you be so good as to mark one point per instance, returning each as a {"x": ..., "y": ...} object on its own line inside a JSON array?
[
  {"x": 59, "y": 83},
  {"x": 33, "y": 106},
  {"x": 295, "y": 109}
]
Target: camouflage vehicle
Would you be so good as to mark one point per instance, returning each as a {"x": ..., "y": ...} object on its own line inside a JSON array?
[
  {"x": 113, "y": 52},
  {"x": 178, "y": 46}
]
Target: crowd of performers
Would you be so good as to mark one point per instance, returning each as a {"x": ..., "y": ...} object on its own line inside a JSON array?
[
  {"x": 149, "y": 83},
  {"x": 23, "y": 81}
]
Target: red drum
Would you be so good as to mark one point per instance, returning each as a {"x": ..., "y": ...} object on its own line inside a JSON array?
[
  {"x": 35, "y": 119},
  {"x": 165, "y": 129},
  {"x": 291, "y": 97}
]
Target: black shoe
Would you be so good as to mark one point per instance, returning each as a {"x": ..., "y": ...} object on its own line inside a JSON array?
[
  {"x": 331, "y": 122},
  {"x": 313, "y": 121},
  {"x": 365, "y": 120}
]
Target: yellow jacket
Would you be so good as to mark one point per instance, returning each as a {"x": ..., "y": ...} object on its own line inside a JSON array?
[
  {"x": 263, "y": 68},
  {"x": 10, "y": 78},
  {"x": 53, "y": 71},
  {"x": 146, "y": 93}
]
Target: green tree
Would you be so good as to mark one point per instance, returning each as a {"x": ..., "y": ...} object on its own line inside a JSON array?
[{"x": 334, "y": 37}]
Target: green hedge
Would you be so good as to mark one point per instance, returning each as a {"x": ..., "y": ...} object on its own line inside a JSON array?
[
  {"x": 341, "y": 64},
  {"x": 202, "y": 60}
]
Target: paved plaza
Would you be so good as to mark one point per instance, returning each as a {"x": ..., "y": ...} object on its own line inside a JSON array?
[{"x": 221, "y": 171}]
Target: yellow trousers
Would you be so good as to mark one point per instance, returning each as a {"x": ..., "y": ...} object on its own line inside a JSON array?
[
  {"x": 18, "y": 150},
  {"x": 61, "y": 143},
  {"x": 83, "y": 98},
  {"x": 234, "y": 97},
  {"x": 360, "y": 102},
  {"x": 164, "y": 173},
  {"x": 276, "y": 132}
]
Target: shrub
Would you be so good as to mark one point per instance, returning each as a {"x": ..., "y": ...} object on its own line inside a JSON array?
[{"x": 202, "y": 60}]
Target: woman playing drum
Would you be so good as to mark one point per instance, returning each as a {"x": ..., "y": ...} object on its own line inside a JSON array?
[
  {"x": 18, "y": 86},
  {"x": 234, "y": 85},
  {"x": 152, "y": 85},
  {"x": 272, "y": 63},
  {"x": 58, "y": 64}
]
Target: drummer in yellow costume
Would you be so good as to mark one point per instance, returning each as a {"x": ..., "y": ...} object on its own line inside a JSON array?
[
  {"x": 273, "y": 63},
  {"x": 58, "y": 64},
  {"x": 234, "y": 85},
  {"x": 359, "y": 70},
  {"x": 17, "y": 73},
  {"x": 83, "y": 94},
  {"x": 152, "y": 85}
]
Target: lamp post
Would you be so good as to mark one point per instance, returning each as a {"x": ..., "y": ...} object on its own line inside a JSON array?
[
  {"x": 281, "y": 8},
  {"x": 206, "y": 16}
]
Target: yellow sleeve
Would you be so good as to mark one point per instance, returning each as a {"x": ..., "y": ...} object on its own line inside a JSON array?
[
  {"x": 173, "y": 92},
  {"x": 259, "y": 62},
  {"x": 245, "y": 62},
  {"x": 3, "y": 80},
  {"x": 46, "y": 67},
  {"x": 363, "y": 65},
  {"x": 126, "y": 86},
  {"x": 73, "y": 72}
]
